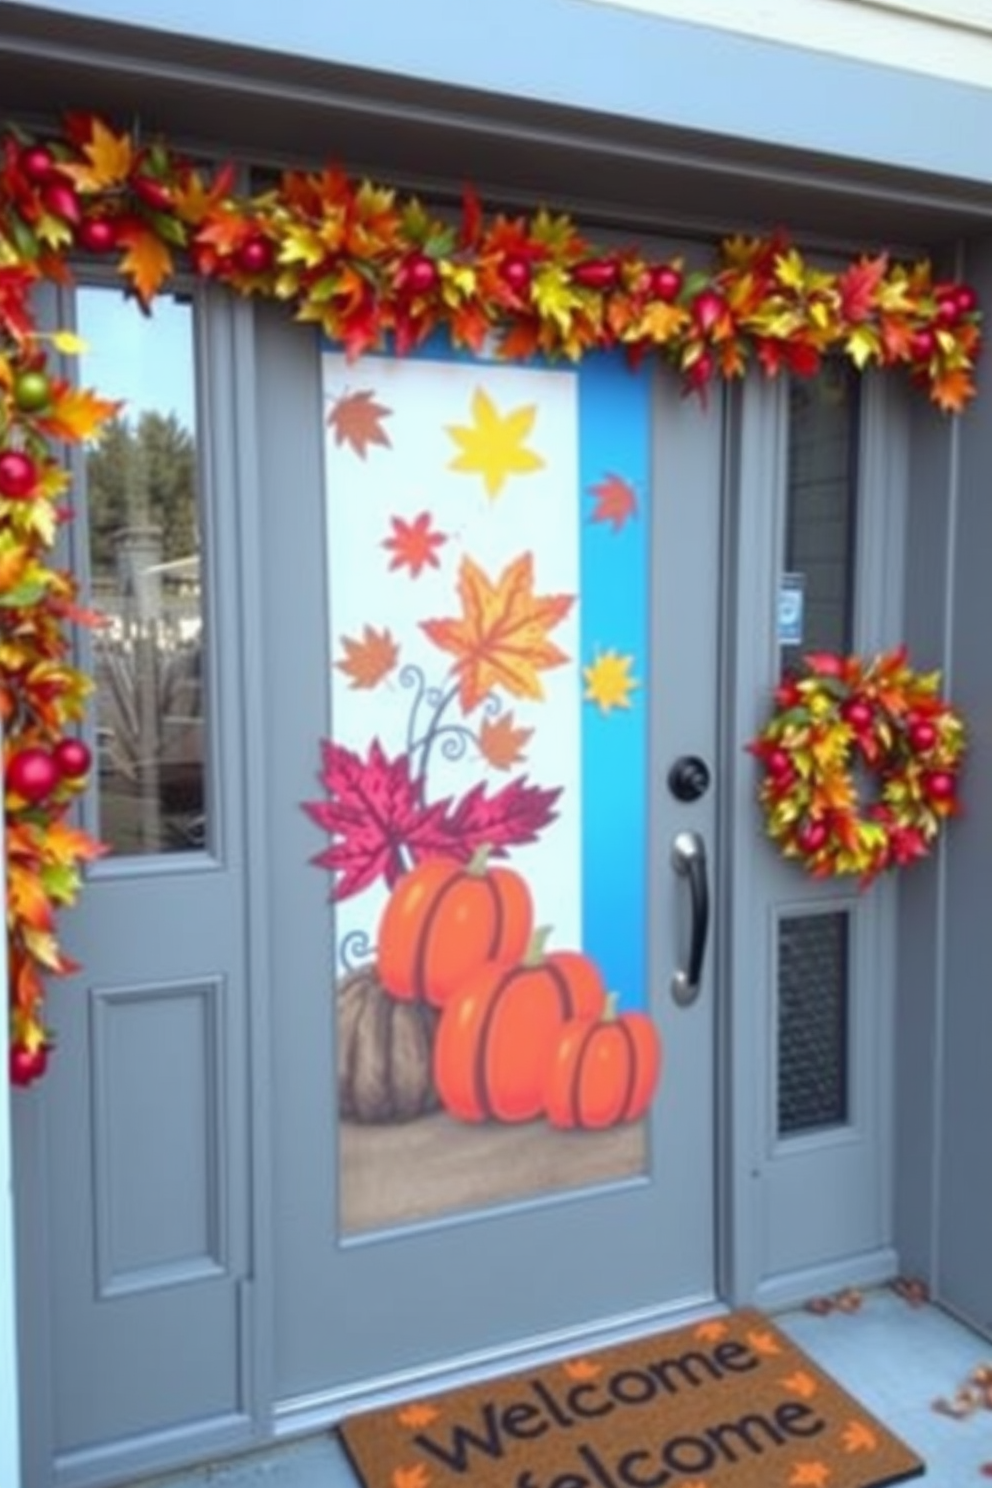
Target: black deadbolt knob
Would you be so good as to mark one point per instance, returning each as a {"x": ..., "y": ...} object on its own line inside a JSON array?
[{"x": 689, "y": 778}]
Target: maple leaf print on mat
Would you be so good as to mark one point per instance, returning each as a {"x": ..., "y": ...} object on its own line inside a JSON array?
[
  {"x": 500, "y": 639},
  {"x": 493, "y": 444},
  {"x": 356, "y": 419}
]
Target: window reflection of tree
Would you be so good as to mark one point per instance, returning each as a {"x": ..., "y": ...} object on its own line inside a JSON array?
[{"x": 142, "y": 504}]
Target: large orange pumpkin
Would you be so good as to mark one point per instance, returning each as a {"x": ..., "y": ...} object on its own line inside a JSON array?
[
  {"x": 497, "y": 1034},
  {"x": 444, "y": 919},
  {"x": 603, "y": 1071}
]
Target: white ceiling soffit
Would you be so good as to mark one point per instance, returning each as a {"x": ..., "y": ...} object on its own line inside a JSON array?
[{"x": 943, "y": 38}]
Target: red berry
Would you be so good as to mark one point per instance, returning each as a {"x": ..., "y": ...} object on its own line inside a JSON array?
[
  {"x": 27, "y": 1065},
  {"x": 255, "y": 255},
  {"x": 37, "y": 163},
  {"x": 418, "y": 274},
  {"x": 666, "y": 282},
  {"x": 97, "y": 234},
  {"x": 922, "y": 345},
  {"x": 60, "y": 199},
  {"x": 72, "y": 758},
  {"x": 939, "y": 786},
  {"x": 516, "y": 272},
  {"x": 699, "y": 374},
  {"x": 812, "y": 835},
  {"x": 922, "y": 736},
  {"x": 597, "y": 273},
  {"x": 18, "y": 475},
  {"x": 947, "y": 310},
  {"x": 32, "y": 774},
  {"x": 858, "y": 714},
  {"x": 153, "y": 193},
  {"x": 778, "y": 764},
  {"x": 966, "y": 299},
  {"x": 707, "y": 309}
]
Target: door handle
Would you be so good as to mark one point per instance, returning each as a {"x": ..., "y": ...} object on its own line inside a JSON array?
[{"x": 689, "y": 861}]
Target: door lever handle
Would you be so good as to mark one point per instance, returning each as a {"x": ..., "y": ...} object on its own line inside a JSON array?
[{"x": 689, "y": 861}]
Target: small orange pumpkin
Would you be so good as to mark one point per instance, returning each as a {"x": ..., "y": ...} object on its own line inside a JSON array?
[
  {"x": 446, "y": 918},
  {"x": 497, "y": 1034},
  {"x": 604, "y": 1070}
]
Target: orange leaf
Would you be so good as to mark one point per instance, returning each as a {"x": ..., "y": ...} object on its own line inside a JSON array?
[
  {"x": 369, "y": 660},
  {"x": 357, "y": 421},
  {"x": 109, "y": 159},
  {"x": 78, "y": 414},
  {"x": 413, "y": 544},
  {"x": 415, "y": 1416},
  {"x": 500, "y": 638},
  {"x": 810, "y": 1475},
  {"x": 411, "y": 1477},
  {"x": 712, "y": 1332},
  {"x": 952, "y": 390},
  {"x": 194, "y": 199},
  {"x": 146, "y": 261},
  {"x": 763, "y": 1343},
  {"x": 859, "y": 286},
  {"x": 68, "y": 845},
  {"x": 501, "y": 743},
  {"x": 801, "y": 1384},
  {"x": 616, "y": 502},
  {"x": 27, "y": 900},
  {"x": 582, "y": 1369},
  {"x": 859, "y": 1437}
]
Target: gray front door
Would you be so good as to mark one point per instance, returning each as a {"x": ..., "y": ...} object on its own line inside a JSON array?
[{"x": 490, "y": 621}]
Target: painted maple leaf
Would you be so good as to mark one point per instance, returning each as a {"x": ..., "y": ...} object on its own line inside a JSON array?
[
  {"x": 512, "y": 817},
  {"x": 414, "y": 544},
  {"x": 500, "y": 639},
  {"x": 859, "y": 1437},
  {"x": 493, "y": 445},
  {"x": 810, "y": 1475},
  {"x": 376, "y": 814},
  {"x": 417, "y": 1416},
  {"x": 369, "y": 660},
  {"x": 608, "y": 681},
  {"x": 356, "y": 419},
  {"x": 801, "y": 1383},
  {"x": 502, "y": 743},
  {"x": 616, "y": 502}
]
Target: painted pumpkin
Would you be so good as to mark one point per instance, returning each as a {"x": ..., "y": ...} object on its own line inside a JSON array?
[
  {"x": 604, "y": 1070},
  {"x": 497, "y": 1035},
  {"x": 444, "y": 919},
  {"x": 384, "y": 1050}
]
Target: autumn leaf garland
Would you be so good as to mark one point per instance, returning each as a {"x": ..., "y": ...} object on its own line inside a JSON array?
[{"x": 367, "y": 266}]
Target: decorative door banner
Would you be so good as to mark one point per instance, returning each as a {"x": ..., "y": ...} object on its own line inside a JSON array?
[{"x": 485, "y": 774}]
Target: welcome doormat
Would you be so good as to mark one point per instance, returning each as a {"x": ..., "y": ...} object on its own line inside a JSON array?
[{"x": 728, "y": 1403}]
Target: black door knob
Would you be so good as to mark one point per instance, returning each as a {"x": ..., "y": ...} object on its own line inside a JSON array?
[{"x": 689, "y": 778}]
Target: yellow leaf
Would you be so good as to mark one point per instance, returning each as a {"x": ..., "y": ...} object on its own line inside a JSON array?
[
  {"x": 863, "y": 346},
  {"x": 608, "y": 681},
  {"x": 110, "y": 157},
  {"x": 78, "y": 414},
  {"x": 493, "y": 445},
  {"x": 68, "y": 343}
]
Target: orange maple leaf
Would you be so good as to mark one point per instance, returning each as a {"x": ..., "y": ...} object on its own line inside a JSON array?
[
  {"x": 195, "y": 198},
  {"x": 416, "y": 1416},
  {"x": 369, "y": 660},
  {"x": 78, "y": 413},
  {"x": 616, "y": 502},
  {"x": 802, "y": 1384},
  {"x": 501, "y": 743},
  {"x": 859, "y": 286},
  {"x": 763, "y": 1342},
  {"x": 711, "y": 1332},
  {"x": 500, "y": 638},
  {"x": 147, "y": 261},
  {"x": 356, "y": 419},
  {"x": 109, "y": 158},
  {"x": 859, "y": 1437},
  {"x": 810, "y": 1475},
  {"x": 411, "y": 1477},
  {"x": 27, "y": 900},
  {"x": 582, "y": 1369},
  {"x": 413, "y": 544},
  {"x": 952, "y": 390}
]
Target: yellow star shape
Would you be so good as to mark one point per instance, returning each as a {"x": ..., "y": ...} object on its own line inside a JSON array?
[
  {"x": 493, "y": 444},
  {"x": 608, "y": 681}
]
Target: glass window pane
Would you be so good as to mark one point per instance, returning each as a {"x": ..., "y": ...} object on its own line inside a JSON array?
[
  {"x": 143, "y": 522},
  {"x": 821, "y": 506},
  {"x": 812, "y": 1021}
]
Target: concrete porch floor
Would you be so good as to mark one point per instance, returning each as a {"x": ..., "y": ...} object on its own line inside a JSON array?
[{"x": 897, "y": 1356}]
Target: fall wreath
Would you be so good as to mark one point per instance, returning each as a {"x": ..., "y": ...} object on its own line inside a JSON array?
[
  {"x": 366, "y": 266},
  {"x": 841, "y": 718}
]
